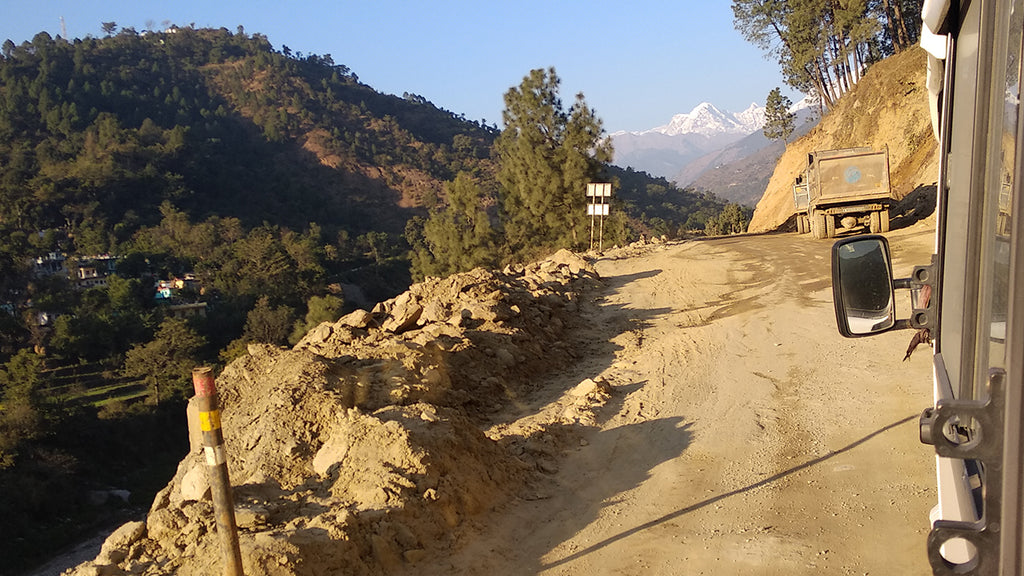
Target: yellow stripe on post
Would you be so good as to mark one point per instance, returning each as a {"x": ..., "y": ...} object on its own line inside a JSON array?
[{"x": 209, "y": 421}]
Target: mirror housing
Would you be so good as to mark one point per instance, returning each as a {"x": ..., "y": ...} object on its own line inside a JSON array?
[{"x": 862, "y": 286}]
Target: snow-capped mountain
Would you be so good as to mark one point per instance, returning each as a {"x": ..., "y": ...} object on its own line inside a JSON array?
[
  {"x": 693, "y": 143},
  {"x": 665, "y": 150},
  {"x": 708, "y": 120}
]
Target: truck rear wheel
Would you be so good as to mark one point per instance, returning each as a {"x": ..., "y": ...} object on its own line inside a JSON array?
[
  {"x": 830, "y": 226},
  {"x": 883, "y": 221},
  {"x": 818, "y": 226},
  {"x": 875, "y": 224}
]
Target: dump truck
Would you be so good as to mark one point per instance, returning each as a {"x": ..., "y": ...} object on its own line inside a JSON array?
[{"x": 843, "y": 189}]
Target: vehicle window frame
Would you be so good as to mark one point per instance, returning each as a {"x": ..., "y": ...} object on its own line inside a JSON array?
[
  {"x": 1000, "y": 156},
  {"x": 968, "y": 244},
  {"x": 1012, "y": 513},
  {"x": 954, "y": 292}
]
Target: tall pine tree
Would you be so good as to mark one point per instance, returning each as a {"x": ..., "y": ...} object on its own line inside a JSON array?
[
  {"x": 778, "y": 120},
  {"x": 546, "y": 156},
  {"x": 823, "y": 47}
]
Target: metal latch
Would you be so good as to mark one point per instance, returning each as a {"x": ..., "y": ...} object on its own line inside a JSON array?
[{"x": 943, "y": 427}]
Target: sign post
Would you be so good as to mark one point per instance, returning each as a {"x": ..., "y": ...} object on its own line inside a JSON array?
[
  {"x": 597, "y": 206},
  {"x": 217, "y": 464}
]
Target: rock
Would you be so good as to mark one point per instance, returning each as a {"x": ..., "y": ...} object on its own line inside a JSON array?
[
  {"x": 505, "y": 357},
  {"x": 317, "y": 335},
  {"x": 195, "y": 433},
  {"x": 547, "y": 466},
  {"x": 195, "y": 484},
  {"x": 332, "y": 452},
  {"x": 484, "y": 311},
  {"x": 250, "y": 516},
  {"x": 434, "y": 311},
  {"x": 356, "y": 319},
  {"x": 385, "y": 553},
  {"x": 404, "y": 314},
  {"x": 414, "y": 556},
  {"x": 574, "y": 262},
  {"x": 588, "y": 387},
  {"x": 404, "y": 536},
  {"x": 115, "y": 547},
  {"x": 111, "y": 496}
]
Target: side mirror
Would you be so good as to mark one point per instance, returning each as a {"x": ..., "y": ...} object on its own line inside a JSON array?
[{"x": 862, "y": 286}]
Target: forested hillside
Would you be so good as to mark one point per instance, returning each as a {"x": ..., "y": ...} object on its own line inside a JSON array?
[{"x": 168, "y": 198}]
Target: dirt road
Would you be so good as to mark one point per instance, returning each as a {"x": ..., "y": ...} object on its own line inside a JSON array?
[{"x": 744, "y": 435}]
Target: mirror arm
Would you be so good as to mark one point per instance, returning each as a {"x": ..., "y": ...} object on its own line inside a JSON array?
[
  {"x": 922, "y": 282},
  {"x": 921, "y": 278}
]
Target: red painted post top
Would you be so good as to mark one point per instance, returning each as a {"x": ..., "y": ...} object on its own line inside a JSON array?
[{"x": 202, "y": 380}]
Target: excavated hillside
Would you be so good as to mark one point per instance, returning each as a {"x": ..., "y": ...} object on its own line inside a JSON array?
[{"x": 888, "y": 107}]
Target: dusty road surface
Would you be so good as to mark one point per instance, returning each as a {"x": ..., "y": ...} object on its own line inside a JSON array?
[{"x": 744, "y": 435}]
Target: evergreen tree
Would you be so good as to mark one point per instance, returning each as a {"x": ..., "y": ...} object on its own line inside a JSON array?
[
  {"x": 457, "y": 237},
  {"x": 733, "y": 219},
  {"x": 319, "y": 309},
  {"x": 778, "y": 120},
  {"x": 165, "y": 364},
  {"x": 821, "y": 47},
  {"x": 546, "y": 156},
  {"x": 22, "y": 417},
  {"x": 268, "y": 325}
]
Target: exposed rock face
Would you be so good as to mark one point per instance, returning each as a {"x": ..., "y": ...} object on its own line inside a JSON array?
[
  {"x": 364, "y": 444},
  {"x": 888, "y": 107}
]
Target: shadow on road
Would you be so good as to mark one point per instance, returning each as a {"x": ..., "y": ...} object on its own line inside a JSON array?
[
  {"x": 915, "y": 206},
  {"x": 697, "y": 506},
  {"x": 616, "y": 282},
  {"x": 636, "y": 449}
]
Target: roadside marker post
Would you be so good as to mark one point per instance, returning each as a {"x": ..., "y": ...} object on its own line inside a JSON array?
[
  {"x": 217, "y": 464},
  {"x": 597, "y": 192}
]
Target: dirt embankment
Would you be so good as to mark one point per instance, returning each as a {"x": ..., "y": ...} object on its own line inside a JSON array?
[
  {"x": 364, "y": 446},
  {"x": 888, "y": 107}
]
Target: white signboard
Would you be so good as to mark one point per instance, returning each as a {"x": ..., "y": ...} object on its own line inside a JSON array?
[
  {"x": 597, "y": 209},
  {"x": 599, "y": 189}
]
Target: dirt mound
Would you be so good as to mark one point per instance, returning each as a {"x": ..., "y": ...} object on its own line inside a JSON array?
[
  {"x": 367, "y": 443},
  {"x": 888, "y": 107}
]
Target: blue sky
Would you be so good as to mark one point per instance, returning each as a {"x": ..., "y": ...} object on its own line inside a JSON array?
[{"x": 637, "y": 63}]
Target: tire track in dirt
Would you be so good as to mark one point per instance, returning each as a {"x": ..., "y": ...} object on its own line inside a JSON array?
[{"x": 744, "y": 435}]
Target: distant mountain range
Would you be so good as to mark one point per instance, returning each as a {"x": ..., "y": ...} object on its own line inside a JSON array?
[{"x": 709, "y": 149}]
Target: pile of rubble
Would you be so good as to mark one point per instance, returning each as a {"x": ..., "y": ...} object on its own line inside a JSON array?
[{"x": 360, "y": 449}]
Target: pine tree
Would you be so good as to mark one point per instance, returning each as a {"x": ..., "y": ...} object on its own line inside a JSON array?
[
  {"x": 456, "y": 237},
  {"x": 821, "y": 47},
  {"x": 165, "y": 364},
  {"x": 778, "y": 120},
  {"x": 546, "y": 156}
]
